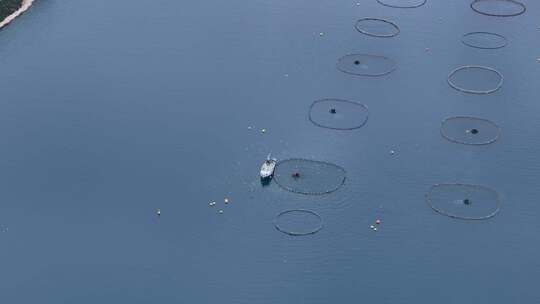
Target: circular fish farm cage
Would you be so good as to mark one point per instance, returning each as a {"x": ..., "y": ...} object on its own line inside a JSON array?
[
  {"x": 338, "y": 114},
  {"x": 402, "y": 3},
  {"x": 470, "y": 130},
  {"x": 484, "y": 40},
  {"x": 376, "y": 27},
  {"x": 298, "y": 222},
  {"x": 309, "y": 177},
  {"x": 366, "y": 65},
  {"x": 499, "y": 8},
  {"x": 464, "y": 201},
  {"x": 475, "y": 79}
]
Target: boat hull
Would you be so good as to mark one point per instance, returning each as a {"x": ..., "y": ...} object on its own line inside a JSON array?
[{"x": 267, "y": 169}]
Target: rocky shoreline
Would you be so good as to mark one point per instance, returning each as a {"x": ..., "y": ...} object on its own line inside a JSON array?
[{"x": 25, "y": 4}]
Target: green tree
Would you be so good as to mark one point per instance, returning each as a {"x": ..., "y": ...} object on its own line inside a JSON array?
[{"x": 7, "y": 7}]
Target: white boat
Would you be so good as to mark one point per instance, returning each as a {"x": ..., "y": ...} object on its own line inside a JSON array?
[{"x": 268, "y": 166}]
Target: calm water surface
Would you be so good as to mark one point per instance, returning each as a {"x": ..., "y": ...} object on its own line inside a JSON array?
[{"x": 111, "y": 110}]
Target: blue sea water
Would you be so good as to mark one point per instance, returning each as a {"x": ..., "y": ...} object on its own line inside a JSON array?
[{"x": 111, "y": 110}]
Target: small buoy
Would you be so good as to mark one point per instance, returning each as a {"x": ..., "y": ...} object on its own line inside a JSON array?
[{"x": 378, "y": 222}]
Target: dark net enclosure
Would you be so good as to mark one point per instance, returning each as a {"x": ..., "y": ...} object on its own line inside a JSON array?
[
  {"x": 366, "y": 65},
  {"x": 402, "y": 3},
  {"x": 338, "y": 114},
  {"x": 8, "y": 7},
  {"x": 474, "y": 79},
  {"x": 470, "y": 130},
  {"x": 484, "y": 40},
  {"x": 298, "y": 222},
  {"x": 499, "y": 8},
  {"x": 464, "y": 201},
  {"x": 310, "y": 177}
]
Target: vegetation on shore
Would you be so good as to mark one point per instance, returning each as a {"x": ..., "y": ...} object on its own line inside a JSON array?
[{"x": 8, "y": 7}]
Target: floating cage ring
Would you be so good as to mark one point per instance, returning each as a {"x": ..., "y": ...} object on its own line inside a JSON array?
[
  {"x": 388, "y": 22},
  {"x": 466, "y": 201},
  {"x": 498, "y": 46},
  {"x": 299, "y": 233},
  {"x": 345, "y": 68},
  {"x": 333, "y": 110},
  {"x": 521, "y": 11},
  {"x": 465, "y": 67},
  {"x": 414, "y": 5},
  {"x": 295, "y": 181},
  {"x": 473, "y": 131}
]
